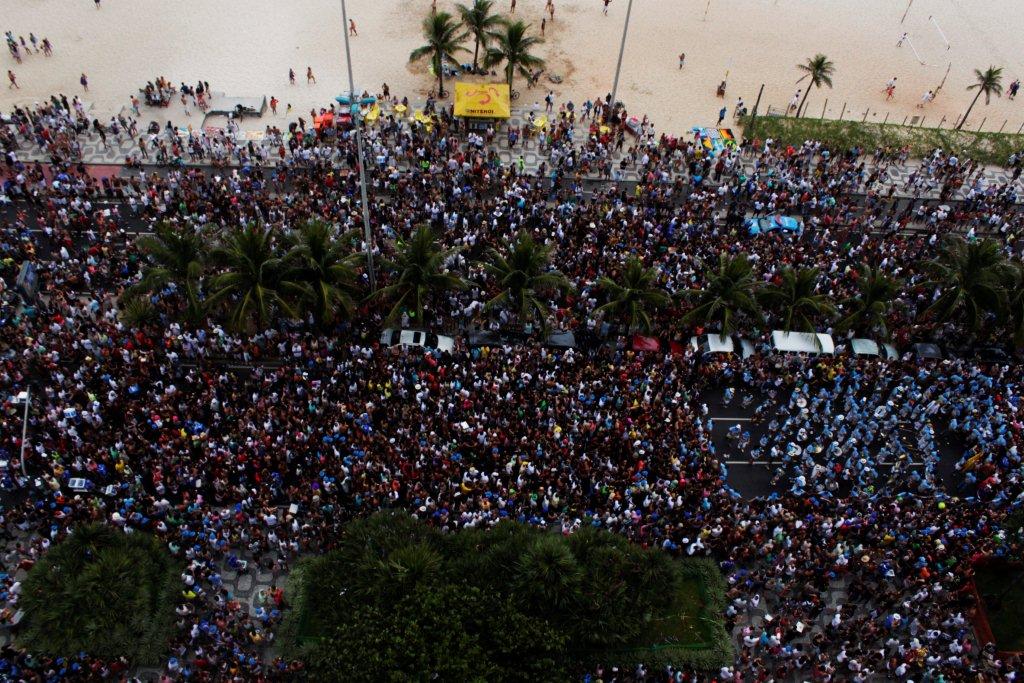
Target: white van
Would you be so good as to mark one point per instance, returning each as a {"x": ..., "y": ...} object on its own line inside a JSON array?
[
  {"x": 715, "y": 343},
  {"x": 802, "y": 342},
  {"x": 868, "y": 347}
]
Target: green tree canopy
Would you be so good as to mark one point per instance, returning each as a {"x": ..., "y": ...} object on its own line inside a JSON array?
[{"x": 103, "y": 592}]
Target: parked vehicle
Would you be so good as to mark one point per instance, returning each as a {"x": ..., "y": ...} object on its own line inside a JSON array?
[
  {"x": 802, "y": 342},
  {"x": 426, "y": 340},
  {"x": 715, "y": 343},
  {"x": 765, "y": 224},
  {"x": 868, "y": 347}
]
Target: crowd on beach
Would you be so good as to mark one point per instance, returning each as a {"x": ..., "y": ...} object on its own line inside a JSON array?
[{"x": 245, "y": 451}]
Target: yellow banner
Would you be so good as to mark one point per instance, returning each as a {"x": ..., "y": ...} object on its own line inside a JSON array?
[{"x": 482, "y": 100}]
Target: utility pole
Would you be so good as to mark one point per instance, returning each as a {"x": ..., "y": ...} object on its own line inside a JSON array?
[
  {"x": 358, "y": 131},
  {"x": 622, "y": 49},
  {"x": 26, "y": 399},
  {"x": 753, "y": 116}
]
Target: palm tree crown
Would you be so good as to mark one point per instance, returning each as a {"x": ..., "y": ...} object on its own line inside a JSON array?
[
  {"x": 867, "y": 310},
  {"x": 988, "y": 82},
  {"x": 796, "y": 301},
  {"x": 443, "y": 40},
  {"x": 820, "y": 69},
  {"x": 482, "y": 25},
  {"x": 969, "y": 277},
  {"x": 325, "y": 268},
  {"x": 176, "y": 258},
  {"x": 523, "y": 273},
  {"x": 513, "y": 46},
  {"x": 634, "y": 295},
  {"x": 420, "y": 265},
  {"x": 730, "y": 292},
  {"x": 255, "y": 282}
]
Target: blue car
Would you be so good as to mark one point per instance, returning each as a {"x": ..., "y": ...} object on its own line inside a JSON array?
[{"x": 765, "y": 224}]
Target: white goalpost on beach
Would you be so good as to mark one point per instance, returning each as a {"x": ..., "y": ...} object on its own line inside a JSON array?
[{"x": 939, "y": 29}]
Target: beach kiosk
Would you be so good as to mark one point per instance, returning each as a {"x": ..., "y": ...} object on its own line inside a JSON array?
[{"x": 482, "y": 104}]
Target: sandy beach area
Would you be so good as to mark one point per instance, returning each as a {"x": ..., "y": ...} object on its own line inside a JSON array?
[{"x": 245, "y": 48}]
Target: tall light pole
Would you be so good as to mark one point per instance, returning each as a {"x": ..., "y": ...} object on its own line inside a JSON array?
[
  {"x": 357, "y": 128},
  {"x": 622, "y": 49}
]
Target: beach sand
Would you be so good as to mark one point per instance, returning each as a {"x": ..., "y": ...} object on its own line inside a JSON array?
[{"x": 245, "y": 47}]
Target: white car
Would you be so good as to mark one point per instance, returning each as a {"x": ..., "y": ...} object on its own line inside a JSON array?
[
  {"x": 427, "y": 340},
  {"x": 715, "y": 343}
]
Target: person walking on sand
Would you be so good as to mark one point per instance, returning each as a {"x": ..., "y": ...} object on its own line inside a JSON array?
[
  {"x": 721, "y": 116},
  {"x": 682, "y": 59},
  {"x": 605, "y": 10},
  {"x": 97, "y": 3},
  {"x": 794, "y": 101},
  {"x": 291, "y": 76},
  {"x": 84, "y": 80},
  {"x": 899, "y": 43},
  {"x": 310, "y": 78},
  {"x": 543, "y": 23},
  {"x": 1014, "y": 87},
  {"x": 47, "y": 47},
  {"x": 890, "y": 88},
  {"x": 512, "y": 10},
  {"x": 13, "y": 79},
  {"x": 352, "y": 28},
  {"x": 925, "y": 99},
  {"x": 273, "y": 105}
]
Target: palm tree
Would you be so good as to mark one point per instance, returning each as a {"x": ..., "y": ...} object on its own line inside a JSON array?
[
  {"x": 523, "y": 273},
  {"x": 328, "y": 272},
  {"x": 136, "y": 311},
  {"x": 796, "y": 301},
  {"x": 634, "y": 295},
  {"x": 989, "y": 82},
  {"x": 443, "y": 40},
  {"x": 176, "y": 257},
  {"x": 420, "y": 265},
  {"x": 867, "y": 310},
  {"x": 513, "y": 46},
  {"x": 255, "y": 282},
  {"x": 969, "y": 277},
  {"x": 729, "y": 293},
  {"x": 1015, "y": 300},
  {"x": 820, "y": 69},
  {"x": 481, "y": 24}
]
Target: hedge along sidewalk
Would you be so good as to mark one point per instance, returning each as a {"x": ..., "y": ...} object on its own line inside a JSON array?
[{"x": 986, "y": 148}]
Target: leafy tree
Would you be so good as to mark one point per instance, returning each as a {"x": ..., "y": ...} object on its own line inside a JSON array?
[
  {"x": 482, "y": 24},
  {"x": 1014, "y": 285},
  {"x": 513, "y": 46},
  {"x": 103, "y": 592},
  {"x": 419, "y": 263},
  {"x": 398, "y": 600},
  {"x": 137, "y": 311},
  {"x": 634, "y": 295},
  {"x": 988, "y": 82},
  {"x": 730, "y": 293},
  {"x": 327, "y": 270},
  {"x": 176, "y": 258},
  {"x": 969, "y": 277},
  {"x": 819, "y": 69},
  {"x": 441, "y": 32},
  {"x": 255, "y": 283},
  {"x": 868, "y": 309},
  {"x": 796, "y": 300},
  {"x": 523, "y": 274}
]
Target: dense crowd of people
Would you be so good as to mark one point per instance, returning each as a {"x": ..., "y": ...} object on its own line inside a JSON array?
[{"x": 246, "y": 451}]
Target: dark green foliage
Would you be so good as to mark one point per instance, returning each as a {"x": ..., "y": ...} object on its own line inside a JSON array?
[
  {"x": 398, "y": 600},
  {"x": 103, "y": 592}
]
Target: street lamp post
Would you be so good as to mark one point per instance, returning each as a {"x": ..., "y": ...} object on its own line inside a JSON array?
[
  {"x": 357, "y": 128},
  {"x": 622, "y": 49}
]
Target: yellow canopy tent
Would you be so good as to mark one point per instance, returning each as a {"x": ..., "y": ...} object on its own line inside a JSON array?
[{"x": 483, "y": 100}]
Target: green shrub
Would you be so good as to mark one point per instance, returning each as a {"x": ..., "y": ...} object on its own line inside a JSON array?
[
  {"x": 986, "y": 148},
  {"x": 103, "y": 592},
  {"x": 398, "y": 600}
]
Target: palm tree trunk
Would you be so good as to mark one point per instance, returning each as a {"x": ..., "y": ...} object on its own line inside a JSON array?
[
  {"x": 973, "y": 102},
  {"x": 476, "y": 50},
  {"x": 803, "y": 101},
  {"x": 511, "y": 72},
  {"x": 440, "y": 79}
]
